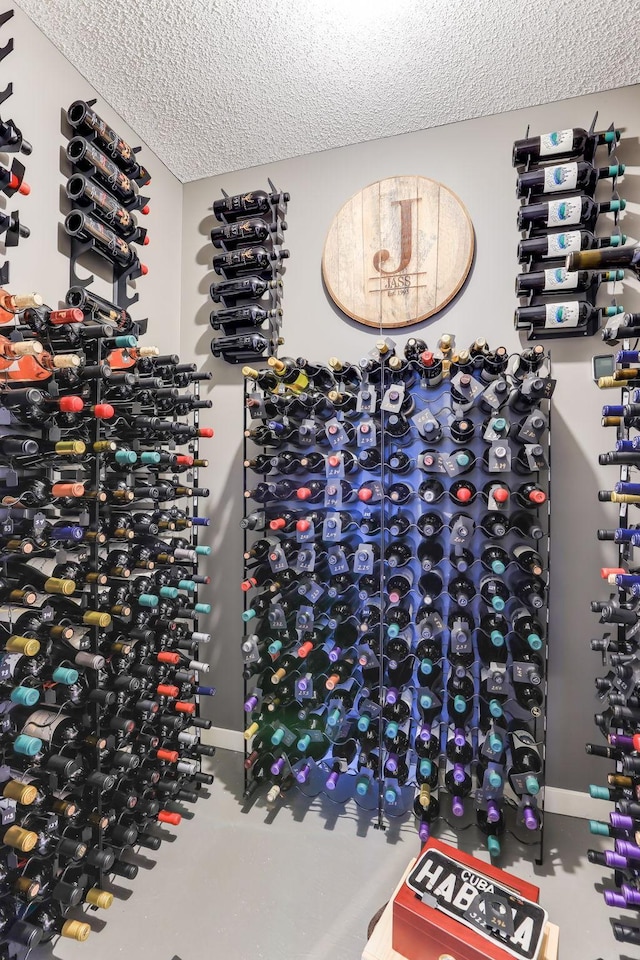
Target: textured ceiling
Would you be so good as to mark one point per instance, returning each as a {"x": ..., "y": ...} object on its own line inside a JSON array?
[{"x": 219, "y": 85}]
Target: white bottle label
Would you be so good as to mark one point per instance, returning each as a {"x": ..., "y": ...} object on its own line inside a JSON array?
[
  {"x": 560, "y": 279},
  {"x": 559, "y": 244},
  {"x": 562, "y": 177},
  {"x": 562, "y": 314},
  {"x": 42, "y": 724},
  {"x": 564, "y": 212},
  {"x": 559, "y": 142}
]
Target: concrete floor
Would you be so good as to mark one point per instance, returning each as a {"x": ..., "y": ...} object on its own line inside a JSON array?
[{"x": 300, "y": 883}]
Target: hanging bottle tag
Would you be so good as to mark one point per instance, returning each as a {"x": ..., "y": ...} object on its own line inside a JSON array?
[
  {"x": 84, "y": 520},
  {"x": 305, "y": 617},
  {"x": 627, "y": 685},
  {"x": 288, "y": 737},
  {"x": 526, "y": 386},
  {"x": 393, "y": 398},
  {"x": 524, "y": 673},
  {"x": 462, "y": 530},
  {"x": 460, "y": 638},
  {"x": 256, "y": 405},
  {"x": 490, "y": 791},
  {"x": 307, "y": 433},
  {"x": 432, "y": 461},
  {"x": 367, "y": 658},
  {"x": 7, "y": 526},
  {"x": 5, "y": 417},
  {"x": 46, "y": 613},
  {"x": 490, "y": 749},
  {"x": 276, "y": 617},
  {"x": 428, "y": 692},
  {"x": 520, "y": 782},
  {"x": 313, "y": 592},
  {"x": 454, "y": 464},
  {"x": 431, "y": 626},
  {"x": 497, "y": 429},
  {"x": 499, "y": 458},
  {"x": 368, "y": 706},
  {"x": 468, "y": 387},
  {"x": 494, "y": 395},
  {"x": 363, "y": 559},
  {"x": 306, "y": 560},
  {"x": 250, "y": 652},
  {"x": 335, "y": 469},
  {"x": 304, "y": 536},
  {"x": 535, "y": 456},
  {"x": 277, "y": 559},
  {"x": 304, "y": 691},
  {"x": 366, "y": 434},
  {"x": 533, "y": 427},
  {"x": 497, "y": 680},
  {"x": 332, "y": 527},
  {"x": 377, "y": 491},
  {"x": 336, "y": 433},
  {"x": 367, "y": 398},
  {"x": 337, "y": 560},
  {"x": 333, "y": 494},
  {"x": 421, "y": 419},
  {"x": 39, "y": 522},
  {"x": 11, "y": 478}
]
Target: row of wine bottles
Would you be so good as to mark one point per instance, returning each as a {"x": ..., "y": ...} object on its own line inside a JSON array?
[
  {"x": 100, "y": 670},
  {"x": 250, "y": 259},
  {"x": 12, "y": 179},
  {"x": 563, "y": 162},
  {"x": 619, "y": 718},
  {"x": 104, "y": 190},
  {"x": 405, "y": 646}
]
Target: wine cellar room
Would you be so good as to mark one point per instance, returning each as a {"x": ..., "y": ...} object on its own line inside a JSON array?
[{"x": 287, "y": 670}]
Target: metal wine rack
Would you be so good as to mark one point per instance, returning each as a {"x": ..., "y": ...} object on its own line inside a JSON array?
[
  {"x": 285, "y": 605},
  {"x": 11, "y": 141},
  {"x": 560, "y": 293},
  {"x": 245, "y": 339}
]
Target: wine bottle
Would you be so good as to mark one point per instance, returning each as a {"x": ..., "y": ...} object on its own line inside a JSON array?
[
  {"x": 564, "y": 177},
  {"x": 559, "y": 245},
  {"x": 566, "y": 314},
  {"x": 558, "y": 279},
  {"x": 568, "y": 211},
  {"x": 256, "y": 202},
  {"x": 82, "y": 117},
  {"x": 560, "y": 144}
]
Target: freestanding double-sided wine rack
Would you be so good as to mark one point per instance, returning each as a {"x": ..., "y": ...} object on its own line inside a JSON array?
[
  {"x": 557, "y": 181},
  {"x": 99, "y": 672},
  {"x": 396, "y": 592}
]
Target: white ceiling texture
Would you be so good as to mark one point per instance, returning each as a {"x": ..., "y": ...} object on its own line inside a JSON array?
[{"x": 219, "y": 85}]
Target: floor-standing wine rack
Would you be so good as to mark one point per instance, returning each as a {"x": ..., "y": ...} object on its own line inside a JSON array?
[
  {"x": 620, "y": 714},
  {"x": 557, "y": 216},
  {"x": 396, "y": 628},
  {"x": 100, "y": 672},
  {"x": 249, "y": 257}
]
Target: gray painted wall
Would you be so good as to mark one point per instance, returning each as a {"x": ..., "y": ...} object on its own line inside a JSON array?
[
  {"x": 45, "y": 84},
  {"x": 474, "y": 159}
]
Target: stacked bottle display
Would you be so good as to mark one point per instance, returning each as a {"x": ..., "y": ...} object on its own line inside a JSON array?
[
  {"x": 558, "y": 175},
  {"x": 619, "y": 719},
  {"x": 100, "y": 670},
  {"x": 103, "y": 190},
  {"x": 12, "y": 179},
  {"x": 396, "y": 593},
  {"x": 249, "y": 259}
]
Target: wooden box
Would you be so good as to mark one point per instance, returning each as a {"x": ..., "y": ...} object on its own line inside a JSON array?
[{"x": 422, "y": 932}]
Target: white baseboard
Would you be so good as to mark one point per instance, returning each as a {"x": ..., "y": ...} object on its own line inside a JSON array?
[
  {"x": 572, "y": 803},
  {"x": 566, "y": 803}
]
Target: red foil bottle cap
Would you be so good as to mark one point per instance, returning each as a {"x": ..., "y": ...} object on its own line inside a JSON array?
[
  {"x": 184, "y": 460},
  {"x": 165, "y": 816},
  {"x": 427, "y": 358},
  {"x": 145, "y": 243},
  {"x": 248, "y": 584},
  {"x": 145, "y": 210},
  {"x": 537, "y": 496},
  {"x": 171, "y": 756},
  {"x": 501, "y": 495},
  {"x": 334, "y": 460},
  {"x": 365, "y": 494},
  {"x": 636, "y": 741},
  {"x": 71, "y": 315},
  {"x": 302, "y": 526},
  {"x": 278, "y": 524},
  {"x": 166, "y": 656},
  {"x": 103, "y": 411},
  {"x": 463, "y": 494},
  {"x": 305, "y": 649},
  {"x": 144, "y": 269},
  {"x": 205, "y": 432},
  {"x": 70, "y": 404},
  {"x": 167, "y": 690},
  {"x": 183, "y": 707},
  {"x": 303, "y": 493},
  {"x": 609, "y": 571}
]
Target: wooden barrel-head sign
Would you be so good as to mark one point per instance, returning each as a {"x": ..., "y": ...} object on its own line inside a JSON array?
[{"x": 398, "y": 251}]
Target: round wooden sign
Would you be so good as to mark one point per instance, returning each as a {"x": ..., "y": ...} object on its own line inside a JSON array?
[{"x": 398, "y": 251}]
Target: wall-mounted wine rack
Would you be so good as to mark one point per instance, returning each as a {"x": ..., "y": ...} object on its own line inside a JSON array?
[
  {"x": 396, "y": 620},
  {"x": 251, "y": 264},
  {"x": 557, "y": 181}
]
